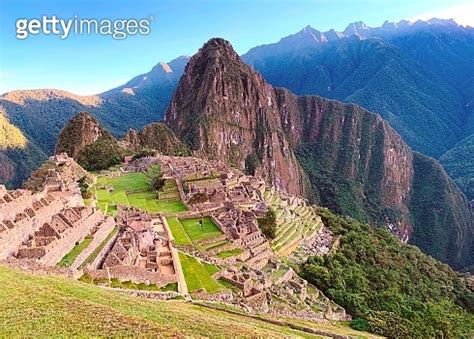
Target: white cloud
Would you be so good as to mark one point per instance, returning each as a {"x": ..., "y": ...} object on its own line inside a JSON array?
[{"x": 462, "y": 14}]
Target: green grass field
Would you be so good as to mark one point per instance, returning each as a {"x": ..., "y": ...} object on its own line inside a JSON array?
[
  {"x": 229, "y": 253},
  {"x": 189, "y": 231},
  {"x": 198, "y": 275},
  {"x": 34, "y": 306},
  {"x": 179, "y": 234},
  {"x": 133, "y": 189},
  {"x": 72, "y": 255},
  {"x": 197, "y": 232}
]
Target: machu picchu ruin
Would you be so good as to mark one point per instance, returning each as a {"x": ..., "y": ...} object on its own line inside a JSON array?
[{"x": 171, "y": 226}]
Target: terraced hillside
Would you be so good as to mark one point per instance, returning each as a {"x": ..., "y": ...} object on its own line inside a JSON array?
[
  {"x": 296, "y": 222},
  {"x": 41, "y": 306}
]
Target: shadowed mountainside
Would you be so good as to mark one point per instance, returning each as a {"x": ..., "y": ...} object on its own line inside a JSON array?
[{"x": 41, "y": 114}]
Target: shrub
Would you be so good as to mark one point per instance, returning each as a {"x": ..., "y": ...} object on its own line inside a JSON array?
[
  {"x": 143, "y": 153},
  {"x": 101, "y": 154},
  {"x": 268, "y": 224},
  {"x": 360, "y": 324},
  {"x": 157, "y": 183},
  {"x": 251, "y": 164}
]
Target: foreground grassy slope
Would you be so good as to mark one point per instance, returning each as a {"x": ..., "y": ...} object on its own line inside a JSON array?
[{"x": 53, "y": 306}]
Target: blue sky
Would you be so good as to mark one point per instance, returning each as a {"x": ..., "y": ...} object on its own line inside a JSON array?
[{"x": 92, "y": 64}]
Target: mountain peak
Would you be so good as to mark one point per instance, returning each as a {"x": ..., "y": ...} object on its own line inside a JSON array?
[
  {"x": 162, "y": 67},
  {"x": 223, "y": 109},
  {"x": 444, "y": 22},
  {"x": 216, "y": 43},
  {"x": 85, "y": 140},
  {"x": 356, "y": 28},
  {"x": 213, "y": 50}
]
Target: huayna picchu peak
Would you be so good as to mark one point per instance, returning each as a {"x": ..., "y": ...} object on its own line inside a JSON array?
[{"x": 223, "y": 110}]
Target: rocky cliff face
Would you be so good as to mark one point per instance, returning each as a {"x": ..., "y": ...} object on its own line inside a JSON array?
[
  {"x": 156, "y": 136},
  {"x": 356, "y": 163},
  {"x": 357, "y": 150},
  {"x": 224, "y": 110}
]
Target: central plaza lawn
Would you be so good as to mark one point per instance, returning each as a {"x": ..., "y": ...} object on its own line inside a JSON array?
[
  {"x": 127, "y": 182},
  {"x": 198, "y": 232},
  {"x": 198, "y": 275},
  {"x": 133, "y": 189},
  {"x": 189, "y": 231},
  {"x": 72, "y": 255}
]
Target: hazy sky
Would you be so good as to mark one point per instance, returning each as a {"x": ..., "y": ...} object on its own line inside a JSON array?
[{"x": 94, "y": 63}]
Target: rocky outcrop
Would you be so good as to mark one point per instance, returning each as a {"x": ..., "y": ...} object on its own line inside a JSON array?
[
  {"x": 223, "y": 110},
  {"x": 84, "y": 139},
  {"x": 356, "y": 163},
  {"x": 80, "y": 131}
]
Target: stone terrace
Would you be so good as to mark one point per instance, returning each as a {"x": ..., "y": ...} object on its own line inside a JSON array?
[
  {"x": 22, "y": 212},
  {"x": 45, "y": 222},
  {"x": 57, "y": 237},
  {"x": 242, "y": 228}
]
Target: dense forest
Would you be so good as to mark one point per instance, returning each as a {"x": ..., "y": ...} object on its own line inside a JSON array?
[{"x": 390, "y": 288}]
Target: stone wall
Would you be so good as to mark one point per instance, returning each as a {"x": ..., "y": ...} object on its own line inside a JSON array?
[
  {"x": 33, "y": 266},
  {"x": 103, "y": 231},
  {"x": 181, "y": 192},
  {"x": 149, "y": 294},
  {"x": 182, "y": 286},
  {"x": 133, "y": 274},
  {"x": 56, "y": 250},
  {"x": 99, "y": 259},
  {"x": 11, "y": 239}
]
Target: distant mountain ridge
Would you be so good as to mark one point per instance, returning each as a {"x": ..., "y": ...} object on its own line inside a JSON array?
[{"x": 418, "y": 75}]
